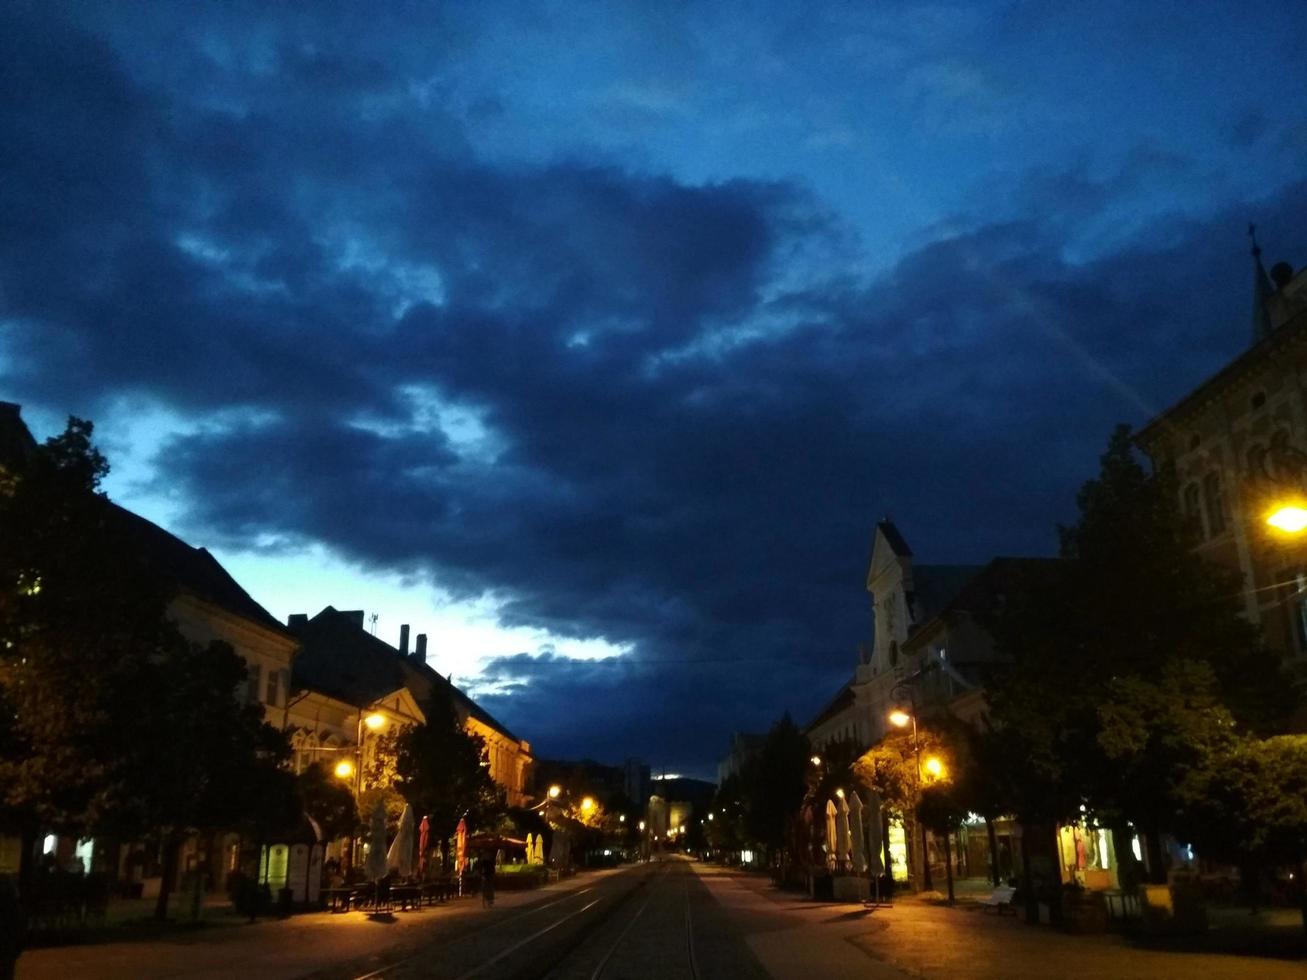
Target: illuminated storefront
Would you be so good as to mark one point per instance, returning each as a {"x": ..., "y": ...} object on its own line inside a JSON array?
[{"x": 898, "y": 849}]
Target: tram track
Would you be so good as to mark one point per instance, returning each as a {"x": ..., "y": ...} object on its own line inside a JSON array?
[{"x": 494, "y": 951}]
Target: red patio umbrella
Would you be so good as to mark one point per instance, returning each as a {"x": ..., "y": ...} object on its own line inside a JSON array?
[
  {"x": 460, "y": 841},
  {"x": 424, "y": 835}
]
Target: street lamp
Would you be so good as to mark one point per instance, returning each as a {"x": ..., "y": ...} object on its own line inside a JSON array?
[
  {"x": 344, "y": 769},
  {"x": 901, "y": 719},
  {"x": 554, "y": 791},
  {"x": 1291, "y": 518}
]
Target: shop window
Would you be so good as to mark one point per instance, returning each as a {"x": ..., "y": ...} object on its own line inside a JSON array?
[{"x": 1214, "y": 503}]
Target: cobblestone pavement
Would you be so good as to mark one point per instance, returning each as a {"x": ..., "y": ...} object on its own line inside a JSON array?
[{"x": 795, "y": 938}]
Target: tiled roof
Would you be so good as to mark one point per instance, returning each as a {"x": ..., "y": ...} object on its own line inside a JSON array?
[
  {"x": 176, "y": 563},
  {"x": 190, "y": 569},
  {"x": 340, "y": 658}
]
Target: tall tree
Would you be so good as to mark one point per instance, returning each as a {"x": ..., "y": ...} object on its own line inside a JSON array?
[
  {"x": 1126, "y": 666},
  {"x": 443, "y": 770},
  {"x": 773, "y": 784},
  {"x": 113, "y": 721}
]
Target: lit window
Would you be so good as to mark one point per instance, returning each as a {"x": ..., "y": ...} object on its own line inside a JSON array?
[{"x": 1214, "y": 503}]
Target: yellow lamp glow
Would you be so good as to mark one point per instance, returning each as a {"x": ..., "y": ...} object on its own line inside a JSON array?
[
  {"x": 621, "y": 818},
  {"x": 642, "y": 825},
  {"x": 1289, "y": 518},
  {"x": 840, "y": 793},
  {"x": 710, "y": 816},
  {"x": 375, "y": 721},
  {"x": 815, "y": 760},
  {"x": 934, "y": 767},
  {"x": 900, "y": 719},
  {"x": 554, "y": 791},
  {"x": 344, "y": 769},
  {"x": 587, "y": 805}
]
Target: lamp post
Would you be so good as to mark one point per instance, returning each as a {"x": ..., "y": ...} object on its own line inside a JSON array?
[{"x": 900, "y": 719}]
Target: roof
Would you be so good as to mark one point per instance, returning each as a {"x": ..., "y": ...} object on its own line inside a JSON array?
[
  {"x": 192, "y": 570},
  {"x": 895, "y": 539},
  {"x": 840, "y": 702},
  {"x": 176, "y": 563},
  {"x": 987, "y": 589},
  {"x": 934, "y": 586},
  {"x": 1293, "y": 331},
  {"x": 339, "y": 657},
  {"x": 16, "y": 442}
]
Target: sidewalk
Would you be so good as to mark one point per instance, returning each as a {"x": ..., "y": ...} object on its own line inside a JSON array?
[
  {"x": 278, "y": 949},
  {"x": 796, "y": 939}
]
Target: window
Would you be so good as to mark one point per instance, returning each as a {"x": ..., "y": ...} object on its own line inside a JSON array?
[
  {"x": 274, "y": 681},
  {"x": 1193, "y": 507},
  {"x": 254, "y": 682},
  {"x": 1214, "y": 503}
]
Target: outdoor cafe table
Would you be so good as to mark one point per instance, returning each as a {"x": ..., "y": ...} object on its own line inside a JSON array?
[
  {"x": 407, "y": 895},
  {"x": 338, "y": 899}
]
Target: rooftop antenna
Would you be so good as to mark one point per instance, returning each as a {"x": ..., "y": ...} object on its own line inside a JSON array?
[{"x": 372, "y": 620}]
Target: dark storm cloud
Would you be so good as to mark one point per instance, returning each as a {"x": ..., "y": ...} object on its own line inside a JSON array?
[{"x": 681, "y": 444}]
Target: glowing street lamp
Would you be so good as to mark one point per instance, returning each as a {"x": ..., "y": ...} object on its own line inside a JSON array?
[
  {"x": 815, "y": 760},
  {"x": 935, "y": 767},
  {"x": 375, "y": 721},
  {"x": 901, "y": 719},
  {"x": 587, "y": 804},
  {"x": 344, "y": 769},
  {"x": 1291, "y": 518},
  {"x": 555, "y": 791}
]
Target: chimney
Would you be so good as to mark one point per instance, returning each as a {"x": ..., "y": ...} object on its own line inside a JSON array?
[
  {"x": 403, "y": 640},
  {"x": 297, "y": 620},
  {"x": 420, "y": 654}
]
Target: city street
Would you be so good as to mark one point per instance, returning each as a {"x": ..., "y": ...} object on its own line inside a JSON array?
[{"x": 671, "y": 919}]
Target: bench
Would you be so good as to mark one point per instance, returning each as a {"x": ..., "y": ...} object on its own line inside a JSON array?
[{"x": 1002, "y": 897}]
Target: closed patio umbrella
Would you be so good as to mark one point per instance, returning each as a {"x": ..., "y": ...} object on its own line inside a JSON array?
[
  {"x": 842, "y": 833},
  {"x": 460, "y": 846},
  {"x": 424, "y": 840},
  {"x": 400, "y": 855},
  {"x": 830, "y": 833}
]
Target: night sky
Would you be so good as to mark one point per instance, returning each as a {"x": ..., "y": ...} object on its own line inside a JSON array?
[{"x": 593, "y": 339}]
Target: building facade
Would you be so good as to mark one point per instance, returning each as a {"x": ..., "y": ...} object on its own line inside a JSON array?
[
  {"x": 343, "y": 675},
  {"x": 1238, "y": 443}
]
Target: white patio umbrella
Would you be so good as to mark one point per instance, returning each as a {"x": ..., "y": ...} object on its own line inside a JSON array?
[
  {"x": 375, "y": 867},
  {"x": 842, "y": 832},
  {"x": 874, "y": 819},
  {"x": 857, "y": 834},
  {"x": 400, "y": 855}
]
